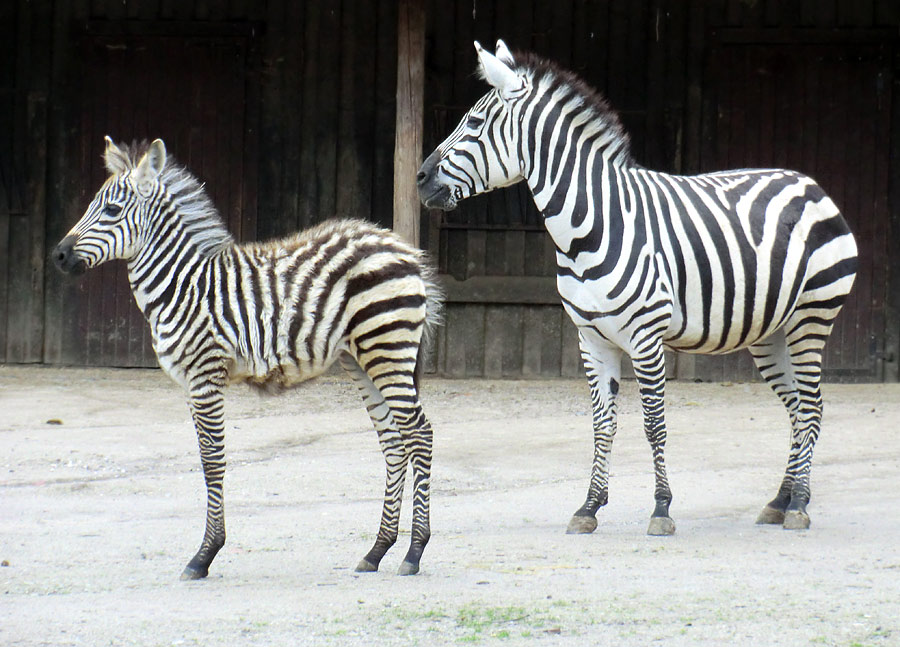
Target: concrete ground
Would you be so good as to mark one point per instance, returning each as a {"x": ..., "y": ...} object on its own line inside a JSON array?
[{"x": 102, "y": 504}]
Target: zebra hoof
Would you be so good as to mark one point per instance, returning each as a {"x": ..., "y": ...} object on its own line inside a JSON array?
[
  {"x": 581, "y": 525},
  {"x": 191, "y": 574},
  {"x": 770, "y": 515},
  {"x": 365, "y": 566},
  {"x": 796, "y": 520},
  {"x": 661, "y": 526},
  {"x": 408, "y": 568}
]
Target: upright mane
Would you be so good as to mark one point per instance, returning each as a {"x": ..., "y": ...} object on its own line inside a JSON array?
[
  {"x": 197, "y": 212},
  {"x": 539, "y": 69}
]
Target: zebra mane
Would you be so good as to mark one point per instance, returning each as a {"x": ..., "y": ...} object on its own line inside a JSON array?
[
  {"x": 540, "y": 69},
  {"x": 196, "y": 210}
]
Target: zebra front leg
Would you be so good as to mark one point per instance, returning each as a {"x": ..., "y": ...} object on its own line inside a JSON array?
[
  {"x": 650, "y": 372},
  {"x": 602, "y": 364},
  {"x": 207, "y": 409}
]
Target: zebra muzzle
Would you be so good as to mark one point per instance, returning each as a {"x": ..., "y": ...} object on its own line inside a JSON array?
[{"x": 65, "y": 258}]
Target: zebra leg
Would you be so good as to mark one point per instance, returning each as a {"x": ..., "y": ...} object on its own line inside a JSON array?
[
  {"x": 405, "y": 436},
  {"x": 418, "y": 438},
  {"x": 773, "y": 362},
  {"x": 395, "y": 457},
  {"x": 207, "y": 409},
  {"x": 791, "y": 363},
  {"x": 650, "y": 371},
  {"x": 603, "y": 367}
]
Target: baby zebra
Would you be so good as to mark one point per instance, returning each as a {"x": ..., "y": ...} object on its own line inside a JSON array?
[{"x": 271, "y": 314}]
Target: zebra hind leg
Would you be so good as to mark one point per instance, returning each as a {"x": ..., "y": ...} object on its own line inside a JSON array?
[
  {"x": 603, "y": 367},
  {"x": 405, "y": 437},
  {"x": 791, "y": 363}
]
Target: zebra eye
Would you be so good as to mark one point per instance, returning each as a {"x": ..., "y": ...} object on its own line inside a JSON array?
[
  {"x": 112, "y": 209},
  {"x": 474, "y": 122}
]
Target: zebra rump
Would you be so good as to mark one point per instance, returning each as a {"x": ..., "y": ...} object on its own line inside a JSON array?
[{"x": 270, "y": 314}]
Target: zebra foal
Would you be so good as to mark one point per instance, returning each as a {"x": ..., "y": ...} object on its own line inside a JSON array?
[
  {"x": 270, "y": 314},
  {"x": 753, "y": 258}
]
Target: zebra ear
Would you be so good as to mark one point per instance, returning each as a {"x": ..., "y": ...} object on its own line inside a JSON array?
[
  {"x": 502, "y": 52},
  {"x": 499, "y": 74},
  {"x": 151, "y": 165},
  {"x": 114, "y": 158}
]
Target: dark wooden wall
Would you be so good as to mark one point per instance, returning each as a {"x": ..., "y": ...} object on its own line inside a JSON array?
[
  {"x": 287, "y": 111},
  {"x": 700, "y": 86}
]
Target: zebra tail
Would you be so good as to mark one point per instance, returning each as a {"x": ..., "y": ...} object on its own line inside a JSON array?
[{"x": 434, "y": 307}]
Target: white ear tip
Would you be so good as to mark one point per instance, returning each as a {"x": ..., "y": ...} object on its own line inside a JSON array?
[
  {"x": 501, "y": 44},
  {"x": 108, "y": 140},
  {"x": 478, "y": 47}
]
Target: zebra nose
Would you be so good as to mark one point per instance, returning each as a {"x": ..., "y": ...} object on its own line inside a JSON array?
[
  {"x": 64, "y": 257},
  {"x": 421, "y": 176}
]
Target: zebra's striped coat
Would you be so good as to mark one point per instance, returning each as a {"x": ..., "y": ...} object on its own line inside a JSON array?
[
  {"x": 713, "y": 263},
  {"x": 271, "y": 314}
]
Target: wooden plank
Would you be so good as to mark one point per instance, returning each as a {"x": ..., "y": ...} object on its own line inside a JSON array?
[
  {"x": 494, "y": 252},
  {"x": 363, "y": 106},
  {"x": 453, "y": 261},
  {"x": 475, "y": 252},
  {"x": 410, "y": 105},
  {"x": 347, "y": 200},
  {"x": 532, "y": 340},
  {"x": 502, "y": 341},
  {"x": 533, "y": 290},
  {"x": 514, "y": 260},
  {"x": 465, "y": 345},
  {"x": 891, "y": 117},
  {"x": 541, "y": 341},
  {"x": 551, "y": 340},
  {"x": 385, "y": 112},
  {"x": 248, "y": 127},
  {"x": 281, "y": 161},
  {"x": 696, "y": 40},
  {"x": 326, "y": 100}
]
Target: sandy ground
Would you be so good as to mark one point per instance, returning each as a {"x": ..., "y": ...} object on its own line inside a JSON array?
[{"x": 102, "y": 504}]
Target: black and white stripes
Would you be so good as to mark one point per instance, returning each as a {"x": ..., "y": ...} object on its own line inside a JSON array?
[
  {"x": 271, "y": 314},
  {"x": 757, "y": 259}
]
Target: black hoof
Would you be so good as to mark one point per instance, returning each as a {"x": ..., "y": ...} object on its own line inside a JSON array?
[
  {"x": 365, "y": 566},
  {"x": 661, "y": 526},
  {"x": 190, "y": 573},
  {"x": 796, "y": 520},
  {"x": 408, "y": 568},
  {"x": 770, "y": 515},
  {"x": 581, "y": 525}
]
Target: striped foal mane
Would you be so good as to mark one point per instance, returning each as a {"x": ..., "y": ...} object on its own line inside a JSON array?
[
  {"x": 196, "y": 211},
  {"x": 538, "y": 69}
]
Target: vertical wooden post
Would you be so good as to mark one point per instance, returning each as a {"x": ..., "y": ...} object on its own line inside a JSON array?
[{"x": 410, "y": 106}]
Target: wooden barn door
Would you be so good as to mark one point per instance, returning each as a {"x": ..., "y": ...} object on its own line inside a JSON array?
[
  {"x": 822, "y": 109},
  {"x": 192, "y": 93}
]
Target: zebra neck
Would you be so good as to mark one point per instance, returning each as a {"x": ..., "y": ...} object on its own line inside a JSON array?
[
  {"x": 582, "y": 195},
  {"x": 168, "y": 273}
]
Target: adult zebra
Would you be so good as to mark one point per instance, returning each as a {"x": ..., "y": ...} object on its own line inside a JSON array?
[
  {"x": 271, "y": 314},
  {"x": 712, "y": 263}
]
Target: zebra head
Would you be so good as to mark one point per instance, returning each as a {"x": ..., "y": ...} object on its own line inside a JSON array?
[
  {"x": 113, "y": 224},
  {"x": 481, "y": 154}
]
